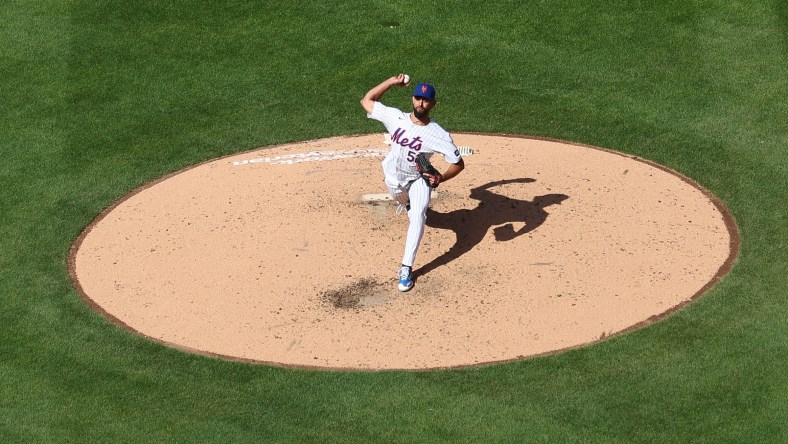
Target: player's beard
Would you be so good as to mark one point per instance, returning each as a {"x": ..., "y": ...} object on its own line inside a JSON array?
[{"x": 420, "y": 113}]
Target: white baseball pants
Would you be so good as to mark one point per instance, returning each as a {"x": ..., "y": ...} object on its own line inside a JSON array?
[{"x": 417, "y": 194}]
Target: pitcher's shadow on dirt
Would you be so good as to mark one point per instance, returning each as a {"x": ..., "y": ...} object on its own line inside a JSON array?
[{"x": 493, "y": 210}]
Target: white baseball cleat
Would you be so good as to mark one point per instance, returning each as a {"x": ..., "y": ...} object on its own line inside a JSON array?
[{"x": 405, "y": 279}]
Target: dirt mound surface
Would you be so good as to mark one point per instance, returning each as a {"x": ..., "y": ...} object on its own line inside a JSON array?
[{"x": 280, "y": 255}]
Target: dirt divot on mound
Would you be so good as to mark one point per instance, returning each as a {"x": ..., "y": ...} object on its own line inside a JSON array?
[
  {"x": 288, "y": 255},
  {"x": 366, "y": 292}
]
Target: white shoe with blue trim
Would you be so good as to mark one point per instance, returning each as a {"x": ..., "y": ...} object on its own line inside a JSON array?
[{"x": 405, "y": 279}]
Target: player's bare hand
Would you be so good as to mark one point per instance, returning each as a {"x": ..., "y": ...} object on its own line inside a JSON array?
[{"x": 401, "y": 79}]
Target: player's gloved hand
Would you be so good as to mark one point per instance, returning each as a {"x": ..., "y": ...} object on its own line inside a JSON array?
[
  {"x": 434, "y": 179},
  {"x": 428, "y": 172}
]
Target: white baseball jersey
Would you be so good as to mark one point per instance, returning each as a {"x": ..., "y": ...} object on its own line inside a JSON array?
[{"x": 408, "y": 140}]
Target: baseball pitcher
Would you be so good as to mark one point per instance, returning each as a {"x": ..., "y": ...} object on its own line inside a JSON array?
[{"x": 407, "y": 171}]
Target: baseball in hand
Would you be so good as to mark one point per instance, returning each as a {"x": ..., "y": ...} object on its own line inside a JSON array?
[{"x": 406, "y": 79}]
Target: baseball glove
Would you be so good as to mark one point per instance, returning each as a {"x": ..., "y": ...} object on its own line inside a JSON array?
[{"x": 425, "y": 167}]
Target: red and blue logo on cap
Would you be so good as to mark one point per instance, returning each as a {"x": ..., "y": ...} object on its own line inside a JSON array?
[{"x": 424, "y": 90}]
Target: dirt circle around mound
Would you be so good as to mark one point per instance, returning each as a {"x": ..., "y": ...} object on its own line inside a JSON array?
[{"x": 287, "y": 255}]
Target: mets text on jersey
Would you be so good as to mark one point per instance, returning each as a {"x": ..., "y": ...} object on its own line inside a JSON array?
[{"x": 414, "y": 144}]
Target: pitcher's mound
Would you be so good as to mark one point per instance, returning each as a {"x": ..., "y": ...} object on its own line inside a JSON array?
[{"x": 281, "y": 256}]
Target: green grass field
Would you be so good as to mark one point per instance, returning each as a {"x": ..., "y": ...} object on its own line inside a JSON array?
[{"x": 98, "y": 98}]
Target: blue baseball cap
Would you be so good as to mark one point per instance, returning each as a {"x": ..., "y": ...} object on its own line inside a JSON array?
[{"x": 424, "y": 90}]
